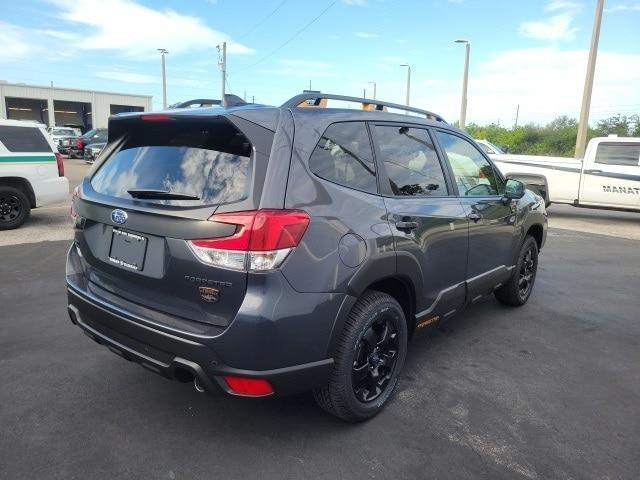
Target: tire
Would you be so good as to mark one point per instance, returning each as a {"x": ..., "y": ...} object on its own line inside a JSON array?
[
  {"x": 365, "y": 358},
  {"x": 14, "y": 208},
  {"x": 514, "y": 292}
]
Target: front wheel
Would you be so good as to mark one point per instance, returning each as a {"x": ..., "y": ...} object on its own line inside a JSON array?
[
  {"x": 518, "y": 289},
  {"x": 368, "y": 359}
]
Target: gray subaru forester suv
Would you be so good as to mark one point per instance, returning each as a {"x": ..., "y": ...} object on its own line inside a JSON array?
[{"x": 265, "y": 251}]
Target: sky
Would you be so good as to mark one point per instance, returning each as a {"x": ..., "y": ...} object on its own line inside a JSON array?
[{"x": 526, "y": 53}]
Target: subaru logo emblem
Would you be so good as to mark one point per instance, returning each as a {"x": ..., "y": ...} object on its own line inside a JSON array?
[{"x": 119, "y": 216}]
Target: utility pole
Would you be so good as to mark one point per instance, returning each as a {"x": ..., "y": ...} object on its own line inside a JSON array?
[
  {"x": 465, "y": 82},
  {"x": 583, "y": 125},
  {"x": 408, "y": 82},
  {"x": 374, "y": 89},
  {"x": 222, "y": 62},
  {"x": 364, "y": 93},
  {"x": 164, "y": 52},
  {"x": 517, "y": 114}
]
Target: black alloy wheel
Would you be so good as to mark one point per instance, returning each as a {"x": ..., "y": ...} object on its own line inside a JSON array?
[
  {"x": 375, "y": 360},
  {"x": 14, "y": 207},
  {"x": 10, "y": 207},
  {"x": 517, "y": 290}
]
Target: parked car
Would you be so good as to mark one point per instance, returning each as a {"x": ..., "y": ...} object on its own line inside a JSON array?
[
  {"x": 57, "y": 133},
  {"x": 63, "y": 137},
  {"x": 216, "y": 247},
  {"x": 95, "y": 135},
  {"x": 490, "y": 148},
  {"x": 608, "y": 176},
  {"x": 92, "y": 150},
  {"x": 31, "y": 172}
]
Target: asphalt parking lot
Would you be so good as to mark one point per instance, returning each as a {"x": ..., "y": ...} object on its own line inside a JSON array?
[{"x": 551, "y": 390}]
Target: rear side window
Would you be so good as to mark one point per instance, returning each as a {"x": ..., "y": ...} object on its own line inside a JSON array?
[
  {"x": 23, "y": 139},
  {"x": 410, "y": 161},
  {"x": 209, "y": 160},
  {"x": 626, "y": 154},
  {"x": 343, "y": 156},
  {"x": 473, "y": 173}
]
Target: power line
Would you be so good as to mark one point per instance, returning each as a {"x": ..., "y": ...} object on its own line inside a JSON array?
[
  {"x": 261, "y": 22},
  {"x": 290, "y": 39}
]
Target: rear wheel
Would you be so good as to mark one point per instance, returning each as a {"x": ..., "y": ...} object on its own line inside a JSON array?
[
  {"x": 368, "y": 359},
  {"x": 518, "y": 289},
  {"x": 14, "y": 208}
]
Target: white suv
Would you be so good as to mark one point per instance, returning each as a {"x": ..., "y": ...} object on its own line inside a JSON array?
[{"x": 31, "y": 171}]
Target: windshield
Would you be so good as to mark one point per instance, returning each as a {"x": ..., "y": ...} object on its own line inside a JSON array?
[{"x": 64, "y": 131}]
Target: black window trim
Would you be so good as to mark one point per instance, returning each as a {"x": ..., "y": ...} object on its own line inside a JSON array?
[
  {"x": 450, "y": 169},
  {"x": 383, "y": 177},
  {"x": 375, "y": 163}
]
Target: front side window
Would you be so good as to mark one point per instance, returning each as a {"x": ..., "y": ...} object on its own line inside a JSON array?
[
  {"x": 625, "y": 154},
  {"x": 473, "y": 173},
  {"x": 343, "y": 156},
  {"x": 410, "y": 161}
]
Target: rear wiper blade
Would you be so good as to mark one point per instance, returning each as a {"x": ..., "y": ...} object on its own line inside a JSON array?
[{"x": 160, "y": 194}]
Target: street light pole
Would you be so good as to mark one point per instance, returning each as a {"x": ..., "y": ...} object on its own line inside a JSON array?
[
  {"x": 222, "y": 62},
  {"x": 163, "y": 52},
  {"x": 408, "y": 82},
  {"x": 465, "y": 83},
  {"x": 374, "y": 89},
  {"x": 583, "y": 125}
]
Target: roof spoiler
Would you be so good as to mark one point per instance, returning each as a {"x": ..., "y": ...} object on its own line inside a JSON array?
[
  {"x": 230, "y": 101},
  {"x": 317, "y": 99}
]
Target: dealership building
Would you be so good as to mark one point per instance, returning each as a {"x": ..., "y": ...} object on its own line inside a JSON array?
[{"x": 66, "y": 106}]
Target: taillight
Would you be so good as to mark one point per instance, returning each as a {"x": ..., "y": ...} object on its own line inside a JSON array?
[
  {"x": 262, "y": 239},
  {"x": 79, "y": 144},
  {"x": 60, "y": 163},
  {"x": 249, "y": 387}
]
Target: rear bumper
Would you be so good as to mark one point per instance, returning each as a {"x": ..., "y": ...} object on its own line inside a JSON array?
[
  {"x": 52, "y": 190},
  {"x": 176, "y": 357}
]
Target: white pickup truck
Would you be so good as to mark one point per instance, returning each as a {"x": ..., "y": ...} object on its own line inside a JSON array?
[
  {"x": 31, "y": 172},
  {"x": 608, "y": 177}
]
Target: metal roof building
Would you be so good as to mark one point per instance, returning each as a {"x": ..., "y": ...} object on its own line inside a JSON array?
[{"x": 66, "y": 106}]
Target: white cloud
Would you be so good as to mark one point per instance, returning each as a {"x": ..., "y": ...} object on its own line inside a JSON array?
[
  {"x": 134, "y": 30},
  {"x": 557, "y": 27},
  {"x": 545, "y": 82},
  {"x": 303, "y": 69},
  {"x": 624, "y": 7},
  {"x": 15, "y": 42},
  {"x": 366, "y": 35},
  {"x": 126, "y": 76},
  {"x": 564, "y": 5}
]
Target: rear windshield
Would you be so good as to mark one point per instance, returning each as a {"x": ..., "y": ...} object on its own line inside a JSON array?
[{"x": 209, "y": 160}]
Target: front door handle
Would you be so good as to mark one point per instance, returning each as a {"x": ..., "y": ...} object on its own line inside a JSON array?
[
  {"x": 406, "y": 226},
  {"x": 475, "y": 217},
  {"x": 593, "y": 171}
]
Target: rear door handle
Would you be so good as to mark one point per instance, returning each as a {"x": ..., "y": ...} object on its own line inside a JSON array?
[
  {"x": 406, "y": 226},
  {"x": 475, "y": 217},
  {"x": 593, "y": 171}
]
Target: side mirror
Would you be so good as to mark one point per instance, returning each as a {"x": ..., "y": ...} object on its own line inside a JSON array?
[{"x": 514, "y": 189}]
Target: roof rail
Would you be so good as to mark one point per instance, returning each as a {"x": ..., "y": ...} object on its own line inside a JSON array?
[{"x": 378, "y": 105}]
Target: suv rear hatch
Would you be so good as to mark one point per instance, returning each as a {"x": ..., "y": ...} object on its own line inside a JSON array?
[{"x": 158, "y": 182}]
